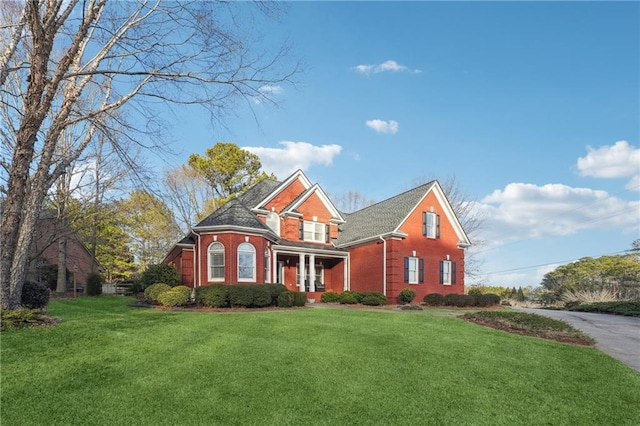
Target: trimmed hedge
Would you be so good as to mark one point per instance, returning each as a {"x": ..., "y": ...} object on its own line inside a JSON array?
[
  {"x": 288, "y": 299},
  {"x": 240, "y": 296},
  {"x": 175, "y": 296},
  {"x": 159, "y": 273},
  {"x": 34, "y": 295},
  {"x": 374, "y": 298},
  {"x": 152, "y": 292},
  {"x": 349, "y": 298},
  {"x": 214, "y": 296},
  {"x": 433, "y": 299},
  {"x": 330, "y": 297}
]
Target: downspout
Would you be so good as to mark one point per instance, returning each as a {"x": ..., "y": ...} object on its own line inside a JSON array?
[
  {"x": 384, "y": 266},
  {"x": 196, "y": 278}
]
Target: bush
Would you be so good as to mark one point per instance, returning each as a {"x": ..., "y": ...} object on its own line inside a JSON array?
[
  {"x": 159, "y": 273},
  {"x": 373, "y": 298},
  {"x": 261, "y": 295},
  {"x": 240, "y": 296},
  {"x": 433, "y": 299},
  {"x": 94, "y": 284},
  {"x": 484, "y": 300},
  {"x": 215, "y": 296},
  {"x": 152, "y": 292},
  {"x": 286, "y": 299},
  {"x": 406, "y": 296},
  {"x": 330, "y": 297},
  {"x": 275, "y": 290},
  {"x": 175, "y": 296},
  {"x": 618, "y": 308},
  {"x": 348, "y": 298},
  {"x": 450, "y": 299},
  {"x": 19, "y": 318},
  {"x": 299, "y": 299},
  {"x": 34, "y": 295}
]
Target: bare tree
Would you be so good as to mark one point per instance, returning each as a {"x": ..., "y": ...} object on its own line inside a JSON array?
[
  {"x": 189, "y": 195},
  {"x": 130, "y": 55},
  {"x": 351, "y": 201}
]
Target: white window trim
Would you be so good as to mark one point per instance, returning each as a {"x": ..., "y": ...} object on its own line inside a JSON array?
[
  {"x": 314, "y": 225},
  {"x": 446, "y": 272},
  {"x": 431, "y": 225},
  {"x": 253, "y": 277},
  {"x": 416, "y": 273},
  {"x": 210, "y": 278}
]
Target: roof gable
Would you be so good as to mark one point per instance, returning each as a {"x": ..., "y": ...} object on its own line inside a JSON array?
[
  {"x": 297, "y": 176},
  {"x": 386, "y": 217},
  {"x": 315, "y": 189},
  {"x": 232, "y": 214}
]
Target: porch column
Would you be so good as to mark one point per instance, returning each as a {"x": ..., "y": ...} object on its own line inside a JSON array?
[
  {"x": 346, "y": 273},
  {"x": 302, "y": 273},
  {"x": 312, "y": 272},
  {"x": 274, "y": 267}
]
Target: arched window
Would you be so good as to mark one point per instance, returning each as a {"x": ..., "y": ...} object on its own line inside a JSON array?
[
  {"x": 273, "y": 222},
  {"x": 246, "y": 263},
  {"x": 216, "y": 262},
  {"x": 267, "y": 265}
]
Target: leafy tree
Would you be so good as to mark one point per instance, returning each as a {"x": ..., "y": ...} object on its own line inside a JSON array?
[
  {"x": 66, "y": 62},
  {"x": 151, "y": 226},
  {"x": 229, "y": 169}
]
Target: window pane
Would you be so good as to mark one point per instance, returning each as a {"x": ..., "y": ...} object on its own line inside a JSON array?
[
  {"x": 431, "y": 225},
  {"x": 413, "y": 270}
]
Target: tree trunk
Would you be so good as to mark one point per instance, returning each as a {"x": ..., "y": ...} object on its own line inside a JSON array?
[{"x": 61, "y": 286}]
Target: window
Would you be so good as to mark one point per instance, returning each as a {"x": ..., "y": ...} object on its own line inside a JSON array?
[
  {"x": 447, "y": 272},
  {"x": 313, "y": 231},
  {"x": 273, "y": 222},
  {"x": 267, "y": 265},
  {"x": 246, "y": 262},
  {"x": 216, "y": 262},
  {"x": 430, "y": 225},
  {"x": 413, "y": 270}
]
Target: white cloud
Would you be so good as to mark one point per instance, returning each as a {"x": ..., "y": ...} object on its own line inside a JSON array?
[
  {"x": 390, "y": 65},
  {"x": 620, "y": 160},
  {"x": 267, "y": 91},
  {"x": 526, "y": 211},
  {"x": 382, "y": 126},
  {"x": 293, "y": 156}
]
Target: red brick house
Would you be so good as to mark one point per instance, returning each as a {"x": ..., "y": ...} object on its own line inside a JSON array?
[{"x": 291, "y": 233}]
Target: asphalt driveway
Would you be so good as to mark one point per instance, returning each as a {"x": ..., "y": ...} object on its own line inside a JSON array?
[{"x": 616, "y": 335}]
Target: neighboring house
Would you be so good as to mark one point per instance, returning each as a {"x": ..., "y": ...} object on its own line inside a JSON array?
[
  {"x": 291, "y": 233},
  {"x": 45, "y": 251}
]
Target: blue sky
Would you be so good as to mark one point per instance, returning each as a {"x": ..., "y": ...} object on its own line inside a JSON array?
[{"x": 532, "y": 106}]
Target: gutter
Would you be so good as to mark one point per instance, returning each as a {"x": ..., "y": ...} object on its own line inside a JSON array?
[{"x": 384, "y": 265}]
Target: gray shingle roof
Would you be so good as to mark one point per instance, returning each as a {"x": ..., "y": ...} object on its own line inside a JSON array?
[
  {"x": 380, "y": 218},
  {"x": 258, "y": 192},
  {"x": 233, "y": 213}
]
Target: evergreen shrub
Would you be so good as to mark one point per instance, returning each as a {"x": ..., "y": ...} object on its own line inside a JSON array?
[
  {"x": 15, "y": 318},
  {"x": 374, "y": 298},
  {"x": 34, "y": 295},
  {"x": 348, "y": 298},
  {"x": 152, "y": 292},
  {"x": 433, "y": 299},
  {"x": 299, "y": 299},
  {"x": 159, "y": 273},
  {"x": 286, "y": 299},
  {"x": 406, "y": 296},
  {"x": 214, "y": 296},
  {"x": 330, "y": 297},
  {"x": 261, "y": 295},
  {"x": 275, "y": 290},
  {"x": 175, "y": 296},
  {"x": 94, "y": 284},
  {"x": 240, "y": 296}
]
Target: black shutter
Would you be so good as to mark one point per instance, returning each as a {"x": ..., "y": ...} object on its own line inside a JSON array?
[
  {"x": 301, "y": 230},
  {"x": 406, "y": 269},
  {"x": 441, "y": 272},
  {"x": 438, "y": 226},
  {"x": 327, "y": 229},
  {"x": 421, "y": 273},
  {"x": 453, "y": 272},
  {"x": 424, "y": 224}
]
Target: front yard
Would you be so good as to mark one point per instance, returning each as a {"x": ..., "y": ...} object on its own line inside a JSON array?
[{"x": 107, "y": 363}]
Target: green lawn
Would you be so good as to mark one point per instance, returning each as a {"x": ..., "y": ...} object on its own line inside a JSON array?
[{"x": 107, "y": 363}]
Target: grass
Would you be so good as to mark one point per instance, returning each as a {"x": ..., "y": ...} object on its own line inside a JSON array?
[{"x": 108, "y": 364}]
